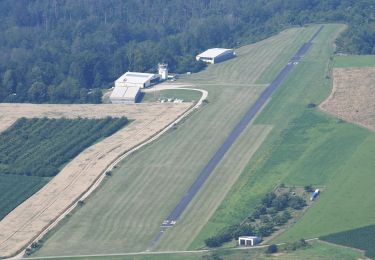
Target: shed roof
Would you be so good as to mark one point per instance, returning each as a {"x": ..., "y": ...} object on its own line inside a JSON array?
[
  {"x": 135, "y": 77},
  {"x": 124, "y": 92},
  {"x": 212, "y": 53}
]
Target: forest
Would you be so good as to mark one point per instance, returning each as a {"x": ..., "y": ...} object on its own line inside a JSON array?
[
  {"x": 41, "y": 146},
  {"x": 67, "y": 51}
]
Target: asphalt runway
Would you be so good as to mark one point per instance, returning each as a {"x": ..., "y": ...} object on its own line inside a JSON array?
[{"x": 246, "y": 119}]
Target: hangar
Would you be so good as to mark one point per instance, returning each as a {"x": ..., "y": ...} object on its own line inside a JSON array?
[
  {"x": 137, "y": 79},
  {"x": 216, "y": 55},
  {"x": 121, "y": 95}
]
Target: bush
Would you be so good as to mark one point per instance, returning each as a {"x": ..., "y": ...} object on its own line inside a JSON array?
[
  {"x": 297, "y": 202},
  {"x": 271, "y": 249},
  {"x": 309, "y": 188}
]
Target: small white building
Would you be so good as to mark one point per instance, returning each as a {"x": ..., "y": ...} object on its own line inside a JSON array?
[
  {"x": 124, "y": 95},
  {"x": 216, "y": 55},
  {"x": 248, "y": 240},
  {"x": 137, "y": 79}
]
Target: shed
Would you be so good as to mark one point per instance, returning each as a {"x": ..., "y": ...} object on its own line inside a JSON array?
[
  {"x": 137, "y": 79},
  {"x": 249, "y": 240},
  {"x": 216, "y": 55},
  {"x": 121, "y": 95}
]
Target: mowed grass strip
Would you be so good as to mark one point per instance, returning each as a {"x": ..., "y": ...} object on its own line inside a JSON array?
[
  {"x": 316, "y": 250},
  {"x": 214, "y": 190},
  {"x": 274, "y": 161},
  {"x": 32, "y": 149},
  {"x": 184, "y": 94},
  {"x": 125, "y": 214},
  {"x": 354, "y": 61}
]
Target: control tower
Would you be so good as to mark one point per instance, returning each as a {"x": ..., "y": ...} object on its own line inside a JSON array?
[{"x": 163, "y": 70}]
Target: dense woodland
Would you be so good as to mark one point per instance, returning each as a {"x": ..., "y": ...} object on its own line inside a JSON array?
[
  {"x": 65, "y": 51},
  {"x": 41, "y": 146}
]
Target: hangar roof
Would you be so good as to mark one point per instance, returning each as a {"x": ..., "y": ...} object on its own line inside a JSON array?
[
  {"x": 124, "y": 92},
  {"x": 135, "y": 77},
  {"x": 212, "y": 53}
]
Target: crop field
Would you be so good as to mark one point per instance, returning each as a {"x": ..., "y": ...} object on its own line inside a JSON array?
[
  {"x": 353, "y": 96},
  {"x": 185, "y": 95},
  {"x": 17, "y": 188},
  {"x": 125, "y": 214},
  {"x": 307, "y": 147},
  {"x": 40, "y": 146},
  {"x": 361, "y": 238},
  {"x": 354, "y": 61},
  {"x": 37, "y": 148}
]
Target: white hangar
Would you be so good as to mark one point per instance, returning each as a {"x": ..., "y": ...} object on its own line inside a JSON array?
[
  {"x": 137, "y": 79},
  {"x": 216, "y": 55},
  {"x": 121, "y": 95}
]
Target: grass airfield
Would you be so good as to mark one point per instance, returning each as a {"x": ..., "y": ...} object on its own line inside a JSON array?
[
  {"x": 288, "y": 143},
  {"x": 126, "y": 212}
]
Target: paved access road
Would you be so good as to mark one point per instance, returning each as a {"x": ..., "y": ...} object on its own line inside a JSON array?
[{"x": 250, "y": 114}]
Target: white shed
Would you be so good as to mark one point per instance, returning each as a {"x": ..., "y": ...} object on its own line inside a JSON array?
[
  {"x": 137, "y": 79},
  {"x": 248, "y": 240},
  {"x": 216, "y": 55}
]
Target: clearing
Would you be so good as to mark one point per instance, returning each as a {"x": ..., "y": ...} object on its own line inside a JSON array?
[
  {"x": 353, "y": 96},
  {"x": 27, "y": 221},
  {"x": 125, "y": 214}
]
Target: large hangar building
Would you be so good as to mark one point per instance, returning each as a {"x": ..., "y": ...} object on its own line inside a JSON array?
[
  {"x": 137, "y": 79},
  {"x": 216, "y": 55}
]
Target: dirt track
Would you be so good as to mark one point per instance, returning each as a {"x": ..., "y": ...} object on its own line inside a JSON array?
[
  {"x": 353, "y": 96},
  {"x": 25, "y": 222}
]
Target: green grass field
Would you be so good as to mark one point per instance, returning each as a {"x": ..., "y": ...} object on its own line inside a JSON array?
[
  {"x": 361, "y": 238},
  {"x": 354, "y": 61},
  {"x": 126, "y": 212},
  {"x": 185, "y": 95}
]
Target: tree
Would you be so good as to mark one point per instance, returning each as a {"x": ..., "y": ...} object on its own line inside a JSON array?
[
  {"x": 9, "y": 83},
  {"x": 271, "y": 249},
  {"x": 268, "y": 198},
  {"x": 38, "y": 92},
  {"x": 296, "y": 202}
]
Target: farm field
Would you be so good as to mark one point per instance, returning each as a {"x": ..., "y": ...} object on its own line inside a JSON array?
[
  {"x": 361, "y": 238},
  {"x": 35, "y": 148},
  {"x": 125, "y": 214},
  {"x": 17, "y": 188},
  {"x": 26, "y": 221},
  {"x": 353, "y": 96}
]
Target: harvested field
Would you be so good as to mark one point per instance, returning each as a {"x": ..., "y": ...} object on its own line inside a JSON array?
[
  {"x": 353, "y": 96},
  {"x": 25, "y": 222}
]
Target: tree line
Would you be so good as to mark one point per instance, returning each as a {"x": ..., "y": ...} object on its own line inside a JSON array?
[
  {"x": 271, "y": 213},
  {"x": 41, "y": 146},
  {"x": 66, "y": 51}
]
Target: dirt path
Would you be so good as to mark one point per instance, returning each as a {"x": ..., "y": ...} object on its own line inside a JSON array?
[
  {"x": 353, "y": 96},
  {"x": 28, "y": 220}
]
